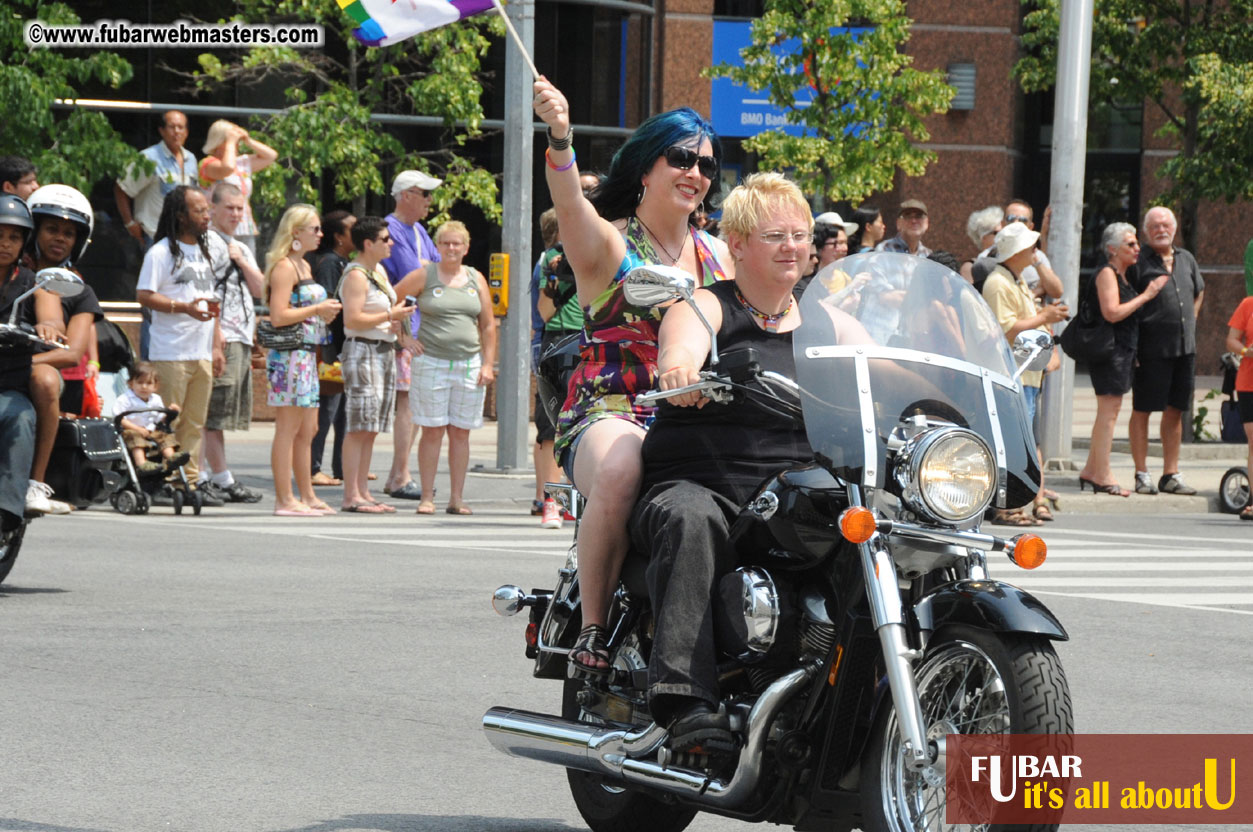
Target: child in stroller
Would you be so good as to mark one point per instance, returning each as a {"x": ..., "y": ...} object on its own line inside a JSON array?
[{"x": 143, "y": 421}]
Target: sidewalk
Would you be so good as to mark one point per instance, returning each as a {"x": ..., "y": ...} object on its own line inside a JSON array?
[{"x": 1202, "y": 464}]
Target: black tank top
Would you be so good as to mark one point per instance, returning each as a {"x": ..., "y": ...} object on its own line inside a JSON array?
[{"x": 729, "y": 448}]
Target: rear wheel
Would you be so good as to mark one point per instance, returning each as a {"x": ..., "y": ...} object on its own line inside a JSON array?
[
  {"x": 608, "y": 807},
  {"x": 970, "y": 682},
  {"x": 178, "y": 500},
  {"x": 1233, "y": 491},
  {"x": 10, "y": 544},
  {"x": 125, "y": 501}
]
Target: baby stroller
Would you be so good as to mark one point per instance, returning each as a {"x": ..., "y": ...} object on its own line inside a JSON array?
[
  {"x": 1233, "y": 489},
  {"x": 136, "y": 496},
  {"x": 86, "y": 466}
]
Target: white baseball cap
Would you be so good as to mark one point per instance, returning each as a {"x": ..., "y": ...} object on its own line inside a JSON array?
[
  {"x": 407, "y": 179},
  {"x": 832, "y": 218},
  {"x": 1012, "y": 239}
]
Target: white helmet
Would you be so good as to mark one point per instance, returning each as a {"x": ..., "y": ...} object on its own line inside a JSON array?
[{"x": 66, "y": 203}]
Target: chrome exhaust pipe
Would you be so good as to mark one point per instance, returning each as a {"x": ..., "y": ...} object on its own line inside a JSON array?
[{"x": 629, "y": 756}]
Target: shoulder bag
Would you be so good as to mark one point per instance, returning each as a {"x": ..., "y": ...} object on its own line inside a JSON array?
[
  {"x": 281, "y": 338},
  {"x": 1089, "y": 338}
]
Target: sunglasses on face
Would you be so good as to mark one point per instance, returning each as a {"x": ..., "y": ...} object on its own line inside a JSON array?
[
  {"x": 383, "y": 240},
  {"x": 420, "y": 192},
  {"x": 683, "y": 158},
  {"x": 316, "y": 229},
  {"x": 1017, "y": 218}
]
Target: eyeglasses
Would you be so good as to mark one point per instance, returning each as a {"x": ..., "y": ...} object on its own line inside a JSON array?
[
  {"x": 683, "y": 158},
  {"x": 383, "y": 240},
  {"x": 778, "y": 238},
  {"x": 420, "y": 192},
  {"x": 316, "y": 229},
  {"x": 1016, "y": 218}
]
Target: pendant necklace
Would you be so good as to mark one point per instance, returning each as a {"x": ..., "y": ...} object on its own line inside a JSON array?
[
  {"x": 662, "y": 245},
  {"x": 769, "y": 322}
]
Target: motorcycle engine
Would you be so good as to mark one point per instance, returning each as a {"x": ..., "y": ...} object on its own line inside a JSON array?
[{"x": 756, "y": 618}]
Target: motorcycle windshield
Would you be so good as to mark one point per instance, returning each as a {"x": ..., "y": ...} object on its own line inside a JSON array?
[{"x": 885, "y": 337}]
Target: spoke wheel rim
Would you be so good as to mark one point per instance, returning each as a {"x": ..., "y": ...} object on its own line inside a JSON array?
[
  {"x": 1236, "y": 490},
  {"x": 961, "y": 692}
]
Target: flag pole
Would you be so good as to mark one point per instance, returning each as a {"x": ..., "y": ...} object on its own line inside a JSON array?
[{"x": 516, "y": 39}]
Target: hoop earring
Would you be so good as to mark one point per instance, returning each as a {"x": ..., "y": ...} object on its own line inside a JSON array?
[
  {"x": 643, "y": 193},
  {"x": 295, "y": 245}
]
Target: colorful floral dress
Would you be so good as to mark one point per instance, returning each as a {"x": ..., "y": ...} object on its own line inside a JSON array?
[
  {"x": 618, "y": 352},
  {"x": 293, "y": 375}
]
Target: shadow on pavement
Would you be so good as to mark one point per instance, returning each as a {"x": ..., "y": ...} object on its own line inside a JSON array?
[
  {"x": 7, "y": 590},
  {"x": 421, "y": 823},
  {"x": 16, "y": 825}
]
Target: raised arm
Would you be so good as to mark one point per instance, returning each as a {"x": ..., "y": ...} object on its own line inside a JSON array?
[
  {"x": 594, "y": 246},
  {"x": 1107, "y": 295}
]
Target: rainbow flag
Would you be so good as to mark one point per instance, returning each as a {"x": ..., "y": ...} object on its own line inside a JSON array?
[{"x": 384, "y": 22}]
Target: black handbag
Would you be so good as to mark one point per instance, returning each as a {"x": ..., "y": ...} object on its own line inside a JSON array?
[
  {"x": 281, "y": 338},
  {"x": 1089, "y": 337}
]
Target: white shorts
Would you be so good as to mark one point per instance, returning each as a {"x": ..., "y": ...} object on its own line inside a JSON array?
[{"x": 443, "y": 392}]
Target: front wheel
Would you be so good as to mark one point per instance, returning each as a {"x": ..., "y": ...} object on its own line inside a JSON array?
[
  {"x": 971, "y": 681},
  {"x": 608, "y": 807},
  {"x": 10, "y": 545},
  {"x": 1233, "y": 491}
]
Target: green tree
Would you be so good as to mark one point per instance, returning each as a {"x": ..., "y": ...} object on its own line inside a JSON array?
[
  {"x": 326, "y": 129},
  {"x": 1190, "y": 59},
  {"x": 75, "y": 147},
  {"x": 868, "y": 101}
]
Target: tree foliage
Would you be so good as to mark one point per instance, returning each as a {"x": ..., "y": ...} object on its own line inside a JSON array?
[
  {"x": 1190, "y": 59},
  {"x": 74, "y": 147},
  {"x": 326, "y": 129},
  {"x": 868, "y": 101}
]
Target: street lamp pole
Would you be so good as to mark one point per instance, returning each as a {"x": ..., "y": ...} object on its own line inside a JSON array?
[
  {"x": 513, "y": 383},
  {"x": 1070, "y": 129}
]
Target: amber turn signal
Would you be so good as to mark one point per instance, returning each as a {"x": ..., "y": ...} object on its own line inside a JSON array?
[
  {"x": 1029, "y": 551},
  {"x": 857, "y": 524}
]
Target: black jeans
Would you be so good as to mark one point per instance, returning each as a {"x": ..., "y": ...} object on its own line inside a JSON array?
[
  {"x": 685, "y": 530},
  {"x": 330, "y": 412}
]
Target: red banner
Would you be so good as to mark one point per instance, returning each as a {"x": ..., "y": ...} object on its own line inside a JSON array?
[{"x": 1099, "y": 778}]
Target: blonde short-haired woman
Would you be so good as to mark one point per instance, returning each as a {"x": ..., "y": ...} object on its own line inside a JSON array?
[{"x": 225, "y": 161}]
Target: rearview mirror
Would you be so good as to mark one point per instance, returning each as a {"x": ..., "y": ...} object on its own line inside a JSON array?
[
  {"x": 655, "y": 284},
  {"x": 61, "y": 282},
  {"x": 1032, "y": 350}
]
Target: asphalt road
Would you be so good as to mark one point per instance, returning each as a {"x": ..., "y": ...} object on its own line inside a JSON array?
[{"x": 242, "y": 672}]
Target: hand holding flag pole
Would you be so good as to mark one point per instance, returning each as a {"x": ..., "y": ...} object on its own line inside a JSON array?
[{"x": 516, "y": 39}]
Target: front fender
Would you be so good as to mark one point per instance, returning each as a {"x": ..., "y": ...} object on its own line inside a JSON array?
[{"x": 990, "y": 605}]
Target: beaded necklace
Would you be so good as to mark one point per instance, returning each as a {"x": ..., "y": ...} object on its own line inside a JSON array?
[{"x": 770, "y": 323}]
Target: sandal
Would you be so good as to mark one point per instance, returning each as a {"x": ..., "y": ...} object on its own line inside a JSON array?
[
  {"x": 588, "y": 654},
  {"x": 384, "y": 506},
  {"x": 461, "y": 510},
  {"x": 1041, "y": 512},
  {"x": 322, "y": 478},
  {"x": 1014, "y": 518},
  {"x": 321, "y": 506},
  {"x": 362, "y": 508},
  {"x": 1054, "y": 500},
  {"x": 426, "y": 507},
  {"x": 1247, "y": 513}
]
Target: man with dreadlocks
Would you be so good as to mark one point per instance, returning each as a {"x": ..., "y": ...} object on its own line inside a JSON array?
[{"x": 177, "y": 284}]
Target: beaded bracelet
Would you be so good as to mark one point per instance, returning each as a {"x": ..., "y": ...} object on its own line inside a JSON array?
[
  {"x": 562, "y": 143},
  {"x": 548, "y": 158}
]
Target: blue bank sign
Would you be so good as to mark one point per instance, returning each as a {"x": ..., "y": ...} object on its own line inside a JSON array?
[{"x": 735, "y": 109}]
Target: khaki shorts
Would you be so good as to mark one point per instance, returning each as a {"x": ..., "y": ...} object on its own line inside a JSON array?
[
  {"x": 230, "y": 404},
  {"x": 159, "y": 438}
]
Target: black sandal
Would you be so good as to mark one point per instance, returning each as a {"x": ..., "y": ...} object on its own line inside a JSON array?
[{"x": 589, "y": 648}]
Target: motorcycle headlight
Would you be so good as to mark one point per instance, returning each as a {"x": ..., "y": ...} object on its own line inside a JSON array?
[{"x": 947, "y": 474}]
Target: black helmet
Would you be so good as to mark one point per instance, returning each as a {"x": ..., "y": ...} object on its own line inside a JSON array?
[{"x": 13, "y": 211}]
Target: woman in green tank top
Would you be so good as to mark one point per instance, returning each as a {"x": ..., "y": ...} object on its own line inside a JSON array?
[{"x": 455, "y": 361}]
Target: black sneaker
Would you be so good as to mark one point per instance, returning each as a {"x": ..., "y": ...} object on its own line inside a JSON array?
[
  {"x": 701, "y": 729},
  {"x": 209, "y": 495},
  {"x": 237, "y": 492},
  {"x": 1174, "y": 484}
]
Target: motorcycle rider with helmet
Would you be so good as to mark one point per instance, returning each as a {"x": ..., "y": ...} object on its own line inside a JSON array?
[
  {"x": 63, "y": 227},
  {"x": 702, "y": 461},
  {"x": 27, "y": 386}
]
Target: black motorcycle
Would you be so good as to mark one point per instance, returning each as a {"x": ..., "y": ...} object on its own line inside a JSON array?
[
  {"x": 865, "y": 628},
  {"x": 20, "y": 339}
]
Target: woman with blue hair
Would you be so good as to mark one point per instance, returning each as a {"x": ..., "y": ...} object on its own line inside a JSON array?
[{"x": 640, "y": 214}]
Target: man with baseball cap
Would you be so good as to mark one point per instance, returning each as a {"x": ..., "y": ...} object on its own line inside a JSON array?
[
  {"x": 911, "y": 223},
  {"x": 412, "y": 248}
]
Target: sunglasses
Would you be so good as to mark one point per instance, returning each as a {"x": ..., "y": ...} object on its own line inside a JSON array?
[
  {"x": 387, "y": 239},
  {"x": 316, "y": 229},
  {"x": 683, "y": 158},
  {"x": 420, "y": 192},
  {"x": 1016, "y": 218}
]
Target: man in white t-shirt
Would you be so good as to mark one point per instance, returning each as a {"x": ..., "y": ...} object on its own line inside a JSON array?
[
  {"x": 237, "y": 280},
  {"x": 176, "y": 282}
]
